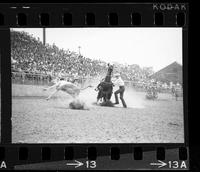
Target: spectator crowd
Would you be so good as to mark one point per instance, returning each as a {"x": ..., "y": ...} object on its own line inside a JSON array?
[{"x": 32, "y": 58}]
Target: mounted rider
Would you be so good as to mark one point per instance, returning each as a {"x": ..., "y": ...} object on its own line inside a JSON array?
[{"x": 152, "y": 90}]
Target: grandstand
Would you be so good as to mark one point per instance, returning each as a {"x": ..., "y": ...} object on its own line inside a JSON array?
[
  {"x": 34, "y": 57},
  {"x": 35, "y": 61}
]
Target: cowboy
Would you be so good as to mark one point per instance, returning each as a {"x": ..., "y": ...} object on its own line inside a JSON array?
[{"x": 119, "y": 82}]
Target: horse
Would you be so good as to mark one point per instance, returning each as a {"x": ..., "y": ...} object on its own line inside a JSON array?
[{"x": 105, "y": 87}]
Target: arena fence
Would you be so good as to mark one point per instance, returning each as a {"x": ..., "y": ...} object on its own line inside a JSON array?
[
  {"x": 41, "y": 79},
  {"x": 30, "y": 78}
]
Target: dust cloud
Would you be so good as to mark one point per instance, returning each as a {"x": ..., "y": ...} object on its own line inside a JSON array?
[
  {"x": 89, "y": 95},
  {"x": 133, "y": 98}
]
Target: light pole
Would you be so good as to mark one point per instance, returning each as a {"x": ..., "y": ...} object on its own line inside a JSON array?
[
  {"x": 79, "y": 50},
  {"x": 44, "y": 36},
  {"x": 44, "y": 40}
]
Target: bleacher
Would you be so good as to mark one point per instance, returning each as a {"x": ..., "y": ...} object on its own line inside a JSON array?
[{"x": 35, "y": 63}]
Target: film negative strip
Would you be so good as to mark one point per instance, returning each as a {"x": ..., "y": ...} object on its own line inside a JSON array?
[{"x": 94, "y": 86}]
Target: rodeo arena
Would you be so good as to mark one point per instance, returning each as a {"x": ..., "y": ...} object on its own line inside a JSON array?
[{"x": 60, "y": 96}]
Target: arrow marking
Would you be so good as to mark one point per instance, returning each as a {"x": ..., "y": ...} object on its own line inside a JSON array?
[
  {"x": 159, "y": 164},
  {"x": 76, "y": 164}
]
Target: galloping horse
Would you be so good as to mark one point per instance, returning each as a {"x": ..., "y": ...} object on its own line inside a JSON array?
[{"x": 105, "y": 88}]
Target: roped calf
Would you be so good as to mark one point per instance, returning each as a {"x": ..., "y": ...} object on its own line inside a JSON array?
[{"x": 65, "y": 86}]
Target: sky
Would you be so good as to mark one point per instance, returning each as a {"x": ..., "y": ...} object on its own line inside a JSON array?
[{"x": 147, "y": 47}]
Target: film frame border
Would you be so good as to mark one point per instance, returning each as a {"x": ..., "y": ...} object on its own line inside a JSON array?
[{"x": 124, "y": 13}]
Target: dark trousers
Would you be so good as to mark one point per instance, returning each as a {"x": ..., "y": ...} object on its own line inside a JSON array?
[{"x": 121, "y": 92}]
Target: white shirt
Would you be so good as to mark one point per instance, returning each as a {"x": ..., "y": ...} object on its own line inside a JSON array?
[{"x": 119, "y": 82}]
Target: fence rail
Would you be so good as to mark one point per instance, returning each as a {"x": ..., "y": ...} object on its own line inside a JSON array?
[
  {"x": 30, "y": 78},
  {"x": 41, "y": 79}
]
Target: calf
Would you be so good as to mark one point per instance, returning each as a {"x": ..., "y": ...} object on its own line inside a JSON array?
[{"x": 65, "y": 86}]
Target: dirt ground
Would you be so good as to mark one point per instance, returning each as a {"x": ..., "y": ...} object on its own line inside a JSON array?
[{"x": 36, "y": 120}]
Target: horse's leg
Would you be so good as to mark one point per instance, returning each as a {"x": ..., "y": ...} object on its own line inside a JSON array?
[{"x": 104, "y": 98}]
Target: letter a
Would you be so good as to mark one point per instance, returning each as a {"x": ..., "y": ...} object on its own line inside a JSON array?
[
  {"x": 183, "y": 165},
  {"x": 3, "y": 164}
]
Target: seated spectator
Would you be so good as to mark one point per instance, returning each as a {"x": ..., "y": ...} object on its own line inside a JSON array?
[{"x": 28, "y": 54}]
